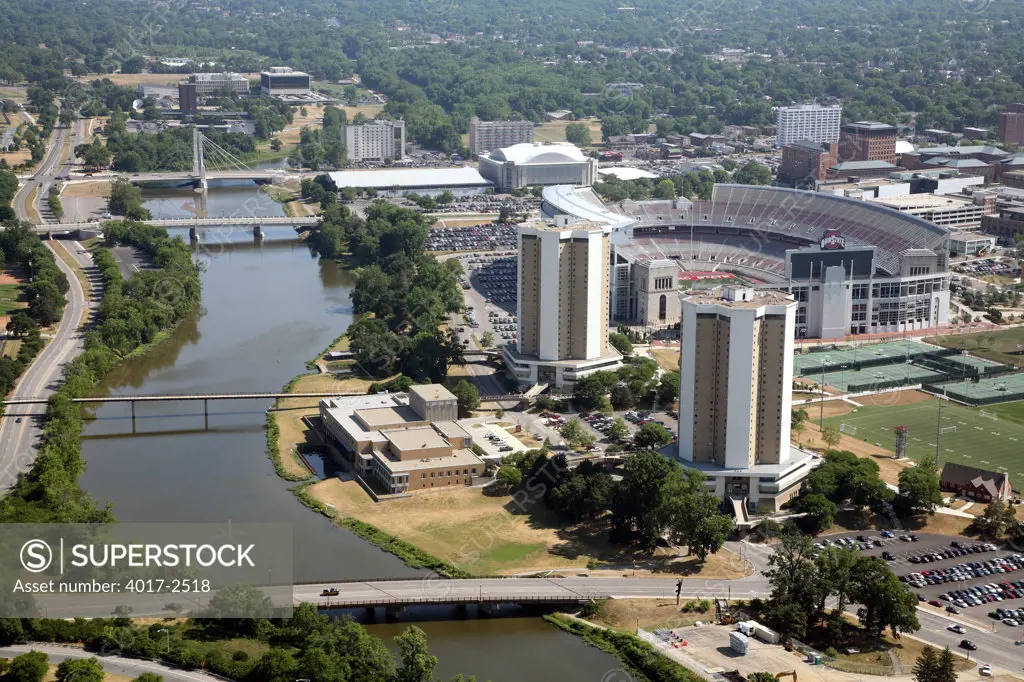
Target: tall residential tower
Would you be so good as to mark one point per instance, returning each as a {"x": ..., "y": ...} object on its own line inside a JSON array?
[
  {"x": 563, "y": 303},
  {"x": 807, "y": 122},
  {"x": 735, "y": 395}
]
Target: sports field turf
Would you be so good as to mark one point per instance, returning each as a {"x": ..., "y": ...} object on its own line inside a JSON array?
[
  {"x": 10, "y": 298},
  {"x": 991, "y": 442}
]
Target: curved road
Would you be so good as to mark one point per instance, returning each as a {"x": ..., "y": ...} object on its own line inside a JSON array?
[
  {"x": 118, "y": 665},
  {"x": 17, "y": 440}
]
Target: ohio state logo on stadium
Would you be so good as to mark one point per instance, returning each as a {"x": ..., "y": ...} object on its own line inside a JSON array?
[{"x": 833, "y": 240}]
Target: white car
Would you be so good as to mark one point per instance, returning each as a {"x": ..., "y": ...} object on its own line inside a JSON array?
[
  {"x": 985, "y": 670},
  {"x": 958, "y": 629}
]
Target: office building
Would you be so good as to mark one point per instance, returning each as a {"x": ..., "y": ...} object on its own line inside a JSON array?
[
  {"x": 804, "y": 162},
  {"x": 401, "y": 442},
  {"x": 528, "y": 165},
  {"x": 487, "y": 135},
  {"x": 282, "y": 80},
  {"x": 563, "y": 307},
  {"x": 807, "y": 122},
  {"x": 867, "y": 141},
  {"x": 1011, "y": 125},
  {"x": 217, "y": 84},
  {"x": 188, "y": 98},
  {"x": 376, "y": 140},
  {"x": 735, "y": 396},
  {"x": 978, "y": 160}
]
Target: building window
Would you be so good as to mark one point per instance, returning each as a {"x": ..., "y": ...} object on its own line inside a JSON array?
[{"x": 662, "y": 307}]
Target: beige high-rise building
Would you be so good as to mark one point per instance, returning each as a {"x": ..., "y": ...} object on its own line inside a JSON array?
[
  {"x": 735, "y": 395},
  {"x": 563, "y": 303},
  {"x": 487, "y": 135}
]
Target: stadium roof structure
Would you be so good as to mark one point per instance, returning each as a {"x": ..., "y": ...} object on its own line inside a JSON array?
[
  {"x": 534, "y": 152},
  {"x": 806, "y": 216},
  {"x": 410, "y": 178},
  {"x": 582, "y": 203}
]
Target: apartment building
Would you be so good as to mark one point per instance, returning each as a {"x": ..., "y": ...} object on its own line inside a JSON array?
[
  {"x": 735, "y": 395},
  {"x": 376, "y": 140},
  {"x": 487, "y": 135},
  {"x": 867, "y": 141},
  {"x": 563, "y": 313},
  {"x": 807, "y": 122}
]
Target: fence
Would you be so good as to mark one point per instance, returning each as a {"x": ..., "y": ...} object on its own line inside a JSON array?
[{"x": 998, "y": 389}]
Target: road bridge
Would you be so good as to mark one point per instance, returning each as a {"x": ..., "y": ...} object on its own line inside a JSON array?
[
  {"x": 205, "y": 397},
  {"x": 193, "y": 223}
]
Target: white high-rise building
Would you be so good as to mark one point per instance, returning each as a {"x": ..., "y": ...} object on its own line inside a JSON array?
[
  {"x": 735, "y": 395},
  {"x": 562, "y": 328},
  {"x": 375, "y": 140},
  {"x": 807, "y": 122},
  {"x": 487, "y": 135}
]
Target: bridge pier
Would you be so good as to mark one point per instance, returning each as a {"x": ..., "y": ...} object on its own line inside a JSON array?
[
  {"x": 193, "y": 235},
  {"x": 133, "y": 410},
  {"x": 393, "y": 613},
  {"x": 484, "y": 610},
  {"x": 257, "y": 232}
]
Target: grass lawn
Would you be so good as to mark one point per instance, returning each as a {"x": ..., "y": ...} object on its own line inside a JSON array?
[
  {"x": 486, "y": 535},
  {"x": 993, "y": 442},
  {"x": 668, "y": 359},
  {"x": 554, "y": 131},
  {"x": 1000, "y": 346},
  {"x": 51, "y": 676},
  {"x": 10, "y": 298}
]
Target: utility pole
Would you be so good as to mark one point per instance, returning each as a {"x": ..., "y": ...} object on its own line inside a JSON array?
[{"x": 821, "y": 402}]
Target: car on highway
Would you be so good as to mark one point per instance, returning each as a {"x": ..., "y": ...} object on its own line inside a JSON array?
[
  {"x": 18, "y": 420},
  {"x": 968, "y": 644},
  {"x": 958, "y": 629}
]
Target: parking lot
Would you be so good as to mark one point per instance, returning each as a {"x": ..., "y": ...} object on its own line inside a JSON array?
[
  {"x": 971, "y": 578},
  {"x": 1006, "y": 267},
  {"x": 496, "y": 441},
  {"x": 496, "y": 236}
]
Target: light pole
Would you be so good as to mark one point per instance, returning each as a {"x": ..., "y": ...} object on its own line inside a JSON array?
[
  {"x": 821, "y": 402},
  {"x": 168, "y": 633}
]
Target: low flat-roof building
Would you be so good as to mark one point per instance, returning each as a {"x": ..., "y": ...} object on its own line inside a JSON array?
[
  {"x": 402, "y": 442},
  {"x": 941, "y": 210},
  {"x": 401, "y": 181},
  {"x": 970, "y": 244}
]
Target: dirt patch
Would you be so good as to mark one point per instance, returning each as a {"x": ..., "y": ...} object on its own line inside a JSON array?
[
  {"x": 622, "y": 614},
  {"x": 367, "y": 110},
  {"x": 889, "y": 466},
  {"x": 902, "y": 398},
  {"x": 92, "y": 188},
  {"x": 312, "y": 119},
  {"x": 489, "y": 535},
  {"x": 667, "y": 358},
  {"x": 830, "y": 408}
]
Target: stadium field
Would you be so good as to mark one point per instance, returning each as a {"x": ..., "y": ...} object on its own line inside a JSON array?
[{"x": 990, "y": 438}]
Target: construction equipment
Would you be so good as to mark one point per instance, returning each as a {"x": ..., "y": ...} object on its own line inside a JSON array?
[{"x": 787, "y": 673}]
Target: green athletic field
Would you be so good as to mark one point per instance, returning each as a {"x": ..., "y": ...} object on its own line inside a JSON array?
[{"x": 993, "y": 442}]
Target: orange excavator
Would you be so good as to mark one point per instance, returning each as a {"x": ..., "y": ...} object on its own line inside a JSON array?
[{"x": 788, "y": 673}]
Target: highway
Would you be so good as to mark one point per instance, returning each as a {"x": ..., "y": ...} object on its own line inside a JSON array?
[{"x": 17, "y": 440}]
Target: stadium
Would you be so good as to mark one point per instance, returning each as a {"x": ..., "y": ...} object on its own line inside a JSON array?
[{"x": 854, "y": 267}]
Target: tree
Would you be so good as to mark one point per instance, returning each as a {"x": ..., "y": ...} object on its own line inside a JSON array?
[
  {"x": 651, "y": 436},
  {"x": 830, "y": 434},
  {"x": 509, "y": 477},
  {"x": 919, "y": 489},
  {"x": 753, "y": 173},
  {"x": 578, "y": 134},
  {"x": 997, "y": 519},
  {"x": 821, "y": 511},
  {"x": 275, "y": 144},
  {"x": 668, "y": 387},
  {"x": 932, "y": 666},
  {"x": 665, "y": 189},
  {"x": 620, "y": 343},
  {"x": 487, "y": 339},
  {"x": 618, "y": 430},
  {"x": 468, "y": 397},
  {"x": 575, "y": 434},
  {"x": 637, "y": 511},
  {"x": 584, "y": 494},
  {"x": 692, "y": 514},
  {"x": 884, "y": 601},
  {"x": 28, "y": 667},
  {"x": 80, "y": 670},
  {"x": 417, "y": 662}
]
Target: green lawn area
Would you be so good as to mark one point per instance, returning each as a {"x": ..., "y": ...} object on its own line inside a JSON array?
[
  {"x": 991, "y": 438},
  {"x": 10, "y": 298},
  {"x": 997, "y": 345}
]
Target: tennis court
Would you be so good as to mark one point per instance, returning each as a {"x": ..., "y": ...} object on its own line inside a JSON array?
[{"x": 990, "y": 438}]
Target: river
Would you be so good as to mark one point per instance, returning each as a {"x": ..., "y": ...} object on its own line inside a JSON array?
[{"x": 266, "y": 311}]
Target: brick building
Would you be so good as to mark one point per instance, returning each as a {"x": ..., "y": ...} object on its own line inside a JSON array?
[
  {"x": 1011, "y": 125},
  {"x": 804, "y": 161},
  {"x": 867, "y": 141}
]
